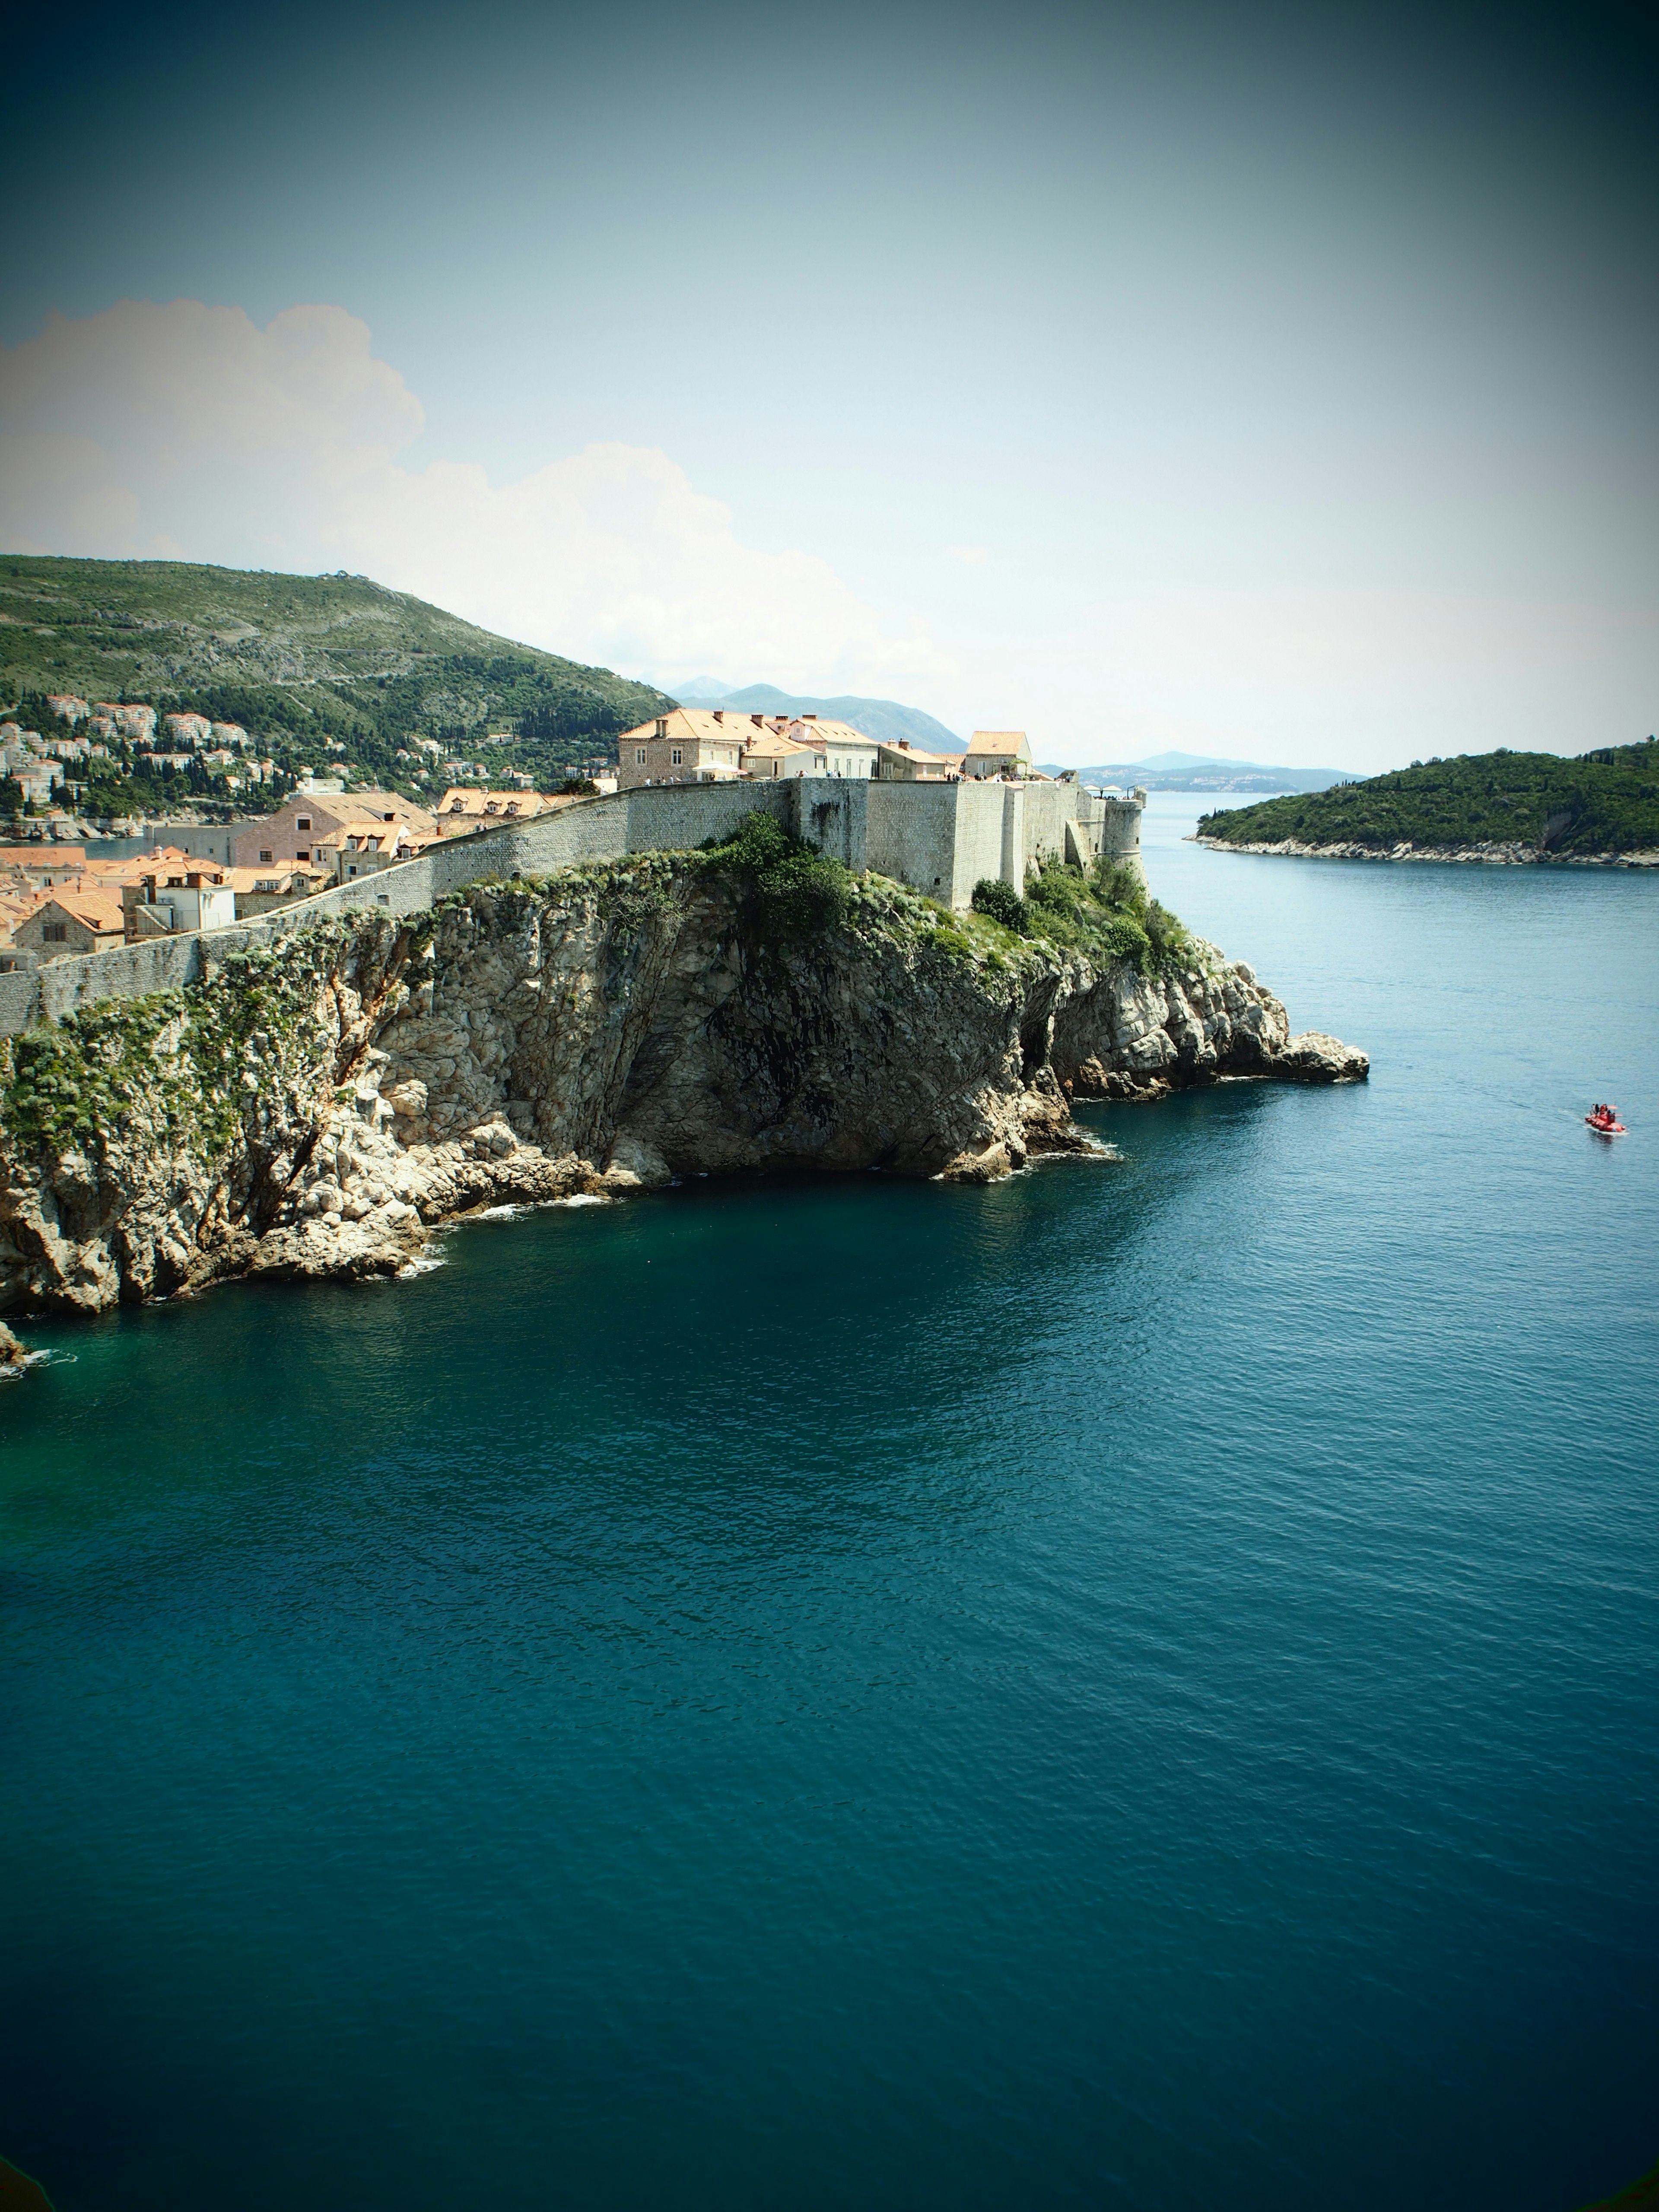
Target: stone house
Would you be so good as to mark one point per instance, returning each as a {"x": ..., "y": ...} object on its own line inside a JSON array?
[
  {"x": 997, "y": 752},
  {"x": 461, "y": 811},
  {"x": 303, "y": 821},
  {"x": 258, "y": 891},
  {"x": 72, "y": 921},
  {"x": 692, "y": 744}
]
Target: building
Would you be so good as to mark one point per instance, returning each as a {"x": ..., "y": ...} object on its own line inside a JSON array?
[
  {"x": 137, "y": 723},
  {"x": 304, "y": 820},
  {"x": 257, "y": 890},
  {"x": 38, "y": 783},
  {"x": 41, "y": 867},
  {"x": 847, "y": 751},
  {"x": 900, "y": 762},
  {"x": 460, "y": 812},
  {"x": 768, "y": 752},
  {"x": 362, "y": 849},
  {"x": 692, "y": 744},
  {"x": 67, "y": 706},
  {"x": 170, "y": 896},
  {"x": 997, "y": 752},
  {"x": 72, "y": 920}
]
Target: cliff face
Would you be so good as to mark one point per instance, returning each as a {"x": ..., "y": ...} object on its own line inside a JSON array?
[{"x": 312, "y": 1110}]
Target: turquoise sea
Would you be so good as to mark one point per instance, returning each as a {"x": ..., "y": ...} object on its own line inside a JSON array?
[{"x": 1138, "y": 1688}]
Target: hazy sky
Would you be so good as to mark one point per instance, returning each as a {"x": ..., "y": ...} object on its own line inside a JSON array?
[{"x": 1273, "y": 382}]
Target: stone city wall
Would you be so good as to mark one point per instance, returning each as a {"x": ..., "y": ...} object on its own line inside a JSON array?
[{"x": 941, "y": 837}]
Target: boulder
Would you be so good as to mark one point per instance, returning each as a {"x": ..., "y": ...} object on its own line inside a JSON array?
[{"x": 1313, "y": 1057}]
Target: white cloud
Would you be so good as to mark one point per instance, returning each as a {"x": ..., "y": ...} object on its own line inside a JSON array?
[
  {"x": 185, "y": 429},
  {"x": 971, "y": 556}
]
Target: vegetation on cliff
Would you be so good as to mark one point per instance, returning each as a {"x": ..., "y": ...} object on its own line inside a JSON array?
[
  {"x": 1105, "y": 913},
  {"x": 1606, "y": 801},
  {"x": 316, "y": 667}
]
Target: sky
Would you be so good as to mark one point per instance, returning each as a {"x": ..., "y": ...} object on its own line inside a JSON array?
[{"x": 1270, "y": 381}]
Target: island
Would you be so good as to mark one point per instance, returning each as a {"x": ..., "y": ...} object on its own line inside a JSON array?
[{"x": 1600, "y": 809}]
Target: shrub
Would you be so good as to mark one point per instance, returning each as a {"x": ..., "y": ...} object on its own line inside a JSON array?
[
  {"x": 1001, "y": 902},
  {"x": 791, "y": 889}
]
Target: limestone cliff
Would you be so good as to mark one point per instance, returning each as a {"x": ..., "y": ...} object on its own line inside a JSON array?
[{"x": 313, "y": 1109}]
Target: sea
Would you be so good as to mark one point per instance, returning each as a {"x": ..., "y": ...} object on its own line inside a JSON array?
[{"x": 1134, "y": 1688}]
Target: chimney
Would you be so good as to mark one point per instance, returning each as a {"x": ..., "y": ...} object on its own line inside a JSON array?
[
  {"x": 720, "y": 716},
  {"x": 662, "y": 726}
]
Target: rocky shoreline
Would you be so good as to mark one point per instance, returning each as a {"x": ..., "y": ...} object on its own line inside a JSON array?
[
  {"x": 318, "y": 1109},
  {"x": 1491, "y": 854}
]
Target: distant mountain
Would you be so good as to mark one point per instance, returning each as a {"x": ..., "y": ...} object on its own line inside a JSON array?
[
  {"x": 693, "y": 690},
  {"x": 1192, "y": 772},
  {"x": 877, "y": 717}
]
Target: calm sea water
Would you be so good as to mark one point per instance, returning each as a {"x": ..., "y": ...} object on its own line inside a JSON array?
[{"x": 1133, "y": 1688}]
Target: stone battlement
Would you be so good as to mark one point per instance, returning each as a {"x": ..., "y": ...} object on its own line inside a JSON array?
[{"x": 942, "y": 838}]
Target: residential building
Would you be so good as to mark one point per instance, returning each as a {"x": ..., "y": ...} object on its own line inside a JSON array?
[
  {"x": 460, "y": 810},
  {"x": 72, "y": 920},
  {"x": 168, "y": 897},
  {"x": 768, "y": 753},
  {"x": 41, "y": 867},
  {"x": 847, "y": 751},
  {"x": 997, "y": 752},
  {"x": 257, "y": 890},
  {"x": 67, "y": 706},
  {"x": 136, "y": 722},
  {"x": 362, "y": 849},
  {"x": 691, "y": 745},
  {"x": 188, "y": 729},
  {"x": 900, "y": 762},
  {"x": 299, "y": 826}
]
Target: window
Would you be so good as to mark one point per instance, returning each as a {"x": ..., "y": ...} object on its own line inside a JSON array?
[
  {"x": 675, "y": 756},
  {"x": 302, "y": 856},
  {"x": 639, "y": 756},
  {"x": 302, "y": 822},
  {"x": 55, "y": 932},
  {"x": 267, "y": 857}
]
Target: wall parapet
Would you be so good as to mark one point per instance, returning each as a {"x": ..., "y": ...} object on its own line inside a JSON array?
[{"x": 942, "y": 837}]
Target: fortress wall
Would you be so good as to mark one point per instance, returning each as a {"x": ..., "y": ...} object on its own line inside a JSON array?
[
  {"x": 986, "y": 840},
  {"x": 941, "y": 837},
  {"x": 912, "y": 835}
]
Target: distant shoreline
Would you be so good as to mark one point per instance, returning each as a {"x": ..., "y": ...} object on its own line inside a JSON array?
[{"x": 1490, "y": 855}]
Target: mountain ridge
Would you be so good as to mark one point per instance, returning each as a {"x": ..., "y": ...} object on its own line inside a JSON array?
[{"x": 336, "y": 662}]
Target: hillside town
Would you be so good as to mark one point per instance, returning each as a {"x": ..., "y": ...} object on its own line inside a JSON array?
[{"x": 66, "y": 891}]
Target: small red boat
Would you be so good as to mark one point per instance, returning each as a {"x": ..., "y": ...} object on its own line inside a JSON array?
[{"x": 1604, "y": 1123}]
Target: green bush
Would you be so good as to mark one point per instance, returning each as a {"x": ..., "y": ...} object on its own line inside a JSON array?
[
  {"x": 791, "y": 890},
  {"x": 1001, "y": 902},
  {"x": 1105, "y": 913}
]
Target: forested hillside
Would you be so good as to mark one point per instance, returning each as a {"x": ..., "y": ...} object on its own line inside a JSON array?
[
  {"x": 316, "y": 667},
  {"x": 1606, "y": 801}
]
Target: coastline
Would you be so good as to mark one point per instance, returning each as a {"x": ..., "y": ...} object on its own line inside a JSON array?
[
  {"x": 1488, "y": 855},
  {"x": 317, "y": 1107}
]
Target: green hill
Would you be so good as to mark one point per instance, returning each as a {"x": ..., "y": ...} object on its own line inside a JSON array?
[
  {"x": 314, "y": 667},
  {"x": 1606, "y": 801}
]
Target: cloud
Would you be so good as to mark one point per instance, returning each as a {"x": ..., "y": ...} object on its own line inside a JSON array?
[
  {"x": 149, "y": 431},
  {"x": 971, "y": 556}
]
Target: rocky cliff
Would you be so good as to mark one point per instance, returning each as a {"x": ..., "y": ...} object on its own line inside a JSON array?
[{"x": 313, "y": 1109}]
